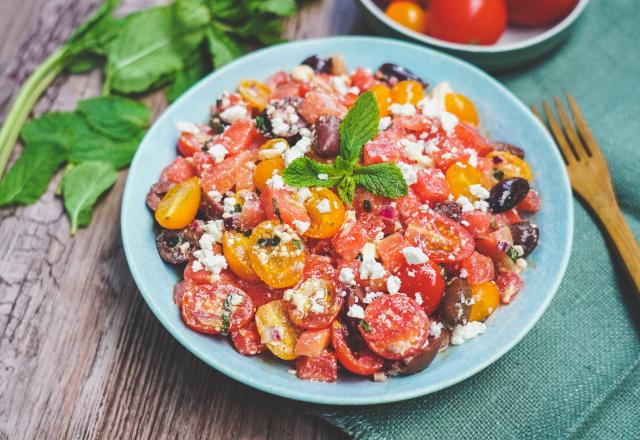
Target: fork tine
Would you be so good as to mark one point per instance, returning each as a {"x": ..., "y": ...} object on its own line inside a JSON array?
[
  {"x": 591, "y": 145},
  {"x": 561, "y": 140},
  {"x": 570, "y": 131}
]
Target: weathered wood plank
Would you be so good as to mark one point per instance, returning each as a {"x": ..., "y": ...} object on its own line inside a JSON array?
[{"x": 81, "y": 356}]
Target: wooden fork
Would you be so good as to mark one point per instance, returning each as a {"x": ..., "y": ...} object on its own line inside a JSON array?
[{"x": 591, "y": 180}]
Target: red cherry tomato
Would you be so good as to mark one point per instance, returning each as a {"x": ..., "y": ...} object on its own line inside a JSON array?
[
  {"x": 425, "y": 280},
  {"x": 538, "y": 12},
  {"x": 246, "y": 340},
  {"x": 397, "y": 327},
  {"x": 467, "y": 21},
  {"x": 190, "y": 143},
  {"x": 364, "y": 363}
]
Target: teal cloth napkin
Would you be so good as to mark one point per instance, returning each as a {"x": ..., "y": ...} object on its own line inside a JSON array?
[{"x": 577, "y": 373}]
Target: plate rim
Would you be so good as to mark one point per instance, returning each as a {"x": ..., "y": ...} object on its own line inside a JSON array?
[{"x": 295, "y": 394}]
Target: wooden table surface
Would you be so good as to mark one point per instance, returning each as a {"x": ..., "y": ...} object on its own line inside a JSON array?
[{"x": 81, "y": 355}]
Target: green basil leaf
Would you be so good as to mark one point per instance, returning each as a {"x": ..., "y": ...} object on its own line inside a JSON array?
[
  {"x": 222, "y": 47},
  {"x": 29, "y": 176},
  {"x": 347, "y": 189},
  {"x": 304, "y": 172},
  {"x": 81, "y": 187},
  {"x": 117, "y": 117},
  {"x": 359, "y": 126},
  {"x": 384, "y": 179}
]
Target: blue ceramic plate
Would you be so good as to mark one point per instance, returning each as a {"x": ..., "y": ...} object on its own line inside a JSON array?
[{"x": 503, "y": 116}]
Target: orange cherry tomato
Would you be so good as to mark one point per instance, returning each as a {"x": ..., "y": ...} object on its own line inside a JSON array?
[
  {"x": 511, "y": 165},
  {"x": 255, "y": 93},
  {"x": 276, "y": 330},
  {"x": 264, "y": 171},
  {"x": 313, "y": 304},
  {"x": 382, "y": 94},
  {"x": 408, "y": 14},
  {"x": 407, "y": 92},
  {"x": 460, "y": 176},
  {"x": 179, "y": 205},
  {"x": 486, "y": 298},
  {"x": 462, "y": 107},
  {"x": 363, "y": 362},
  {"x": 326, "y": 212},
  {"x": 236, "y": 248}
]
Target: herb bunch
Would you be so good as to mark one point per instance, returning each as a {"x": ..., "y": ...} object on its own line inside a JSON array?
[{"x": 358, "y": 127}]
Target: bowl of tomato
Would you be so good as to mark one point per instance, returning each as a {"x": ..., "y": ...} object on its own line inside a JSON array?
[
  {"x": 496, "y": 35},
  {"x": 250, "y": 252}
]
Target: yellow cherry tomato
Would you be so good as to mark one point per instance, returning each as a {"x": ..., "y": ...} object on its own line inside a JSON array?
[
  {"x": 510, "y": 165},
  {"x": 326, "y": 212},
  {"x": 255, "y": 93},
  {"x": 486, "y": 298},
  {"x": 277, "y": 254},
  {"x": 462, "y": 107},
  {"x": 382, "y": 94},
  {"x": 408, "y": 14},
  {"x": 460, "y": 176},
  {"x": 407, "y": 92},
  {"x": 179, "y": 205},
  {"x": 264, "y": 171},
  {"x": 276, "y": 330},
  {"x": 236, "y": 248}
]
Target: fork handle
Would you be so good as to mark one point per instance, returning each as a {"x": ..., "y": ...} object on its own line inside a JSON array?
[{"x": 623, "y": 240}]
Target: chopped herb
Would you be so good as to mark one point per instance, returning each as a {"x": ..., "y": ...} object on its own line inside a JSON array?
[
  {"x": 298, "y": 243},
  {"x": 512, "y": 253},
  {"x": 266, "y": 242},
  {"x": 365, "y": 326},
  {"x": 277, "y": 212},
  {"x": 237, "y": 207},
  {"x": 216, "y": 124},
  {"x": 262, "y": 123},
  {"x": 498, "y": 174},
  {"x": 359, "y": 257},
  {"x": 248, "y": 233},
  {"x": 226, "y": 315},
  {"x": 367, "y": 205},
  {"x": 207, "y": 145}
]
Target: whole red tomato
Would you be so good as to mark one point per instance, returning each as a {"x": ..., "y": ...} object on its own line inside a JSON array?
[
  {"x": 467, "y": 21},
  {"x": 538, "y": 12}
]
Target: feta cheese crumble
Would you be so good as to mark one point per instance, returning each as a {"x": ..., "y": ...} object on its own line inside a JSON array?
[
  {"x": 393, "y": 284},
  {"x": 356, "y": 311},
  {"x": 462, "y": 333},
  {"x": 402, "y": 109},
  {"x": 370, "y": 268},
  {"x": 218, "y": 152},
  {"x": 234, "y": 113},
  {"x": 414, "y": 255},
  {"x": 409, "y": 173},
  {"x": 347, "y": 276},
  {"x": 479, "y": 191}
]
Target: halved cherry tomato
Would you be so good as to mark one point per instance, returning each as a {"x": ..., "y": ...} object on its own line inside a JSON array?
[
  {"x": 382, "y": 93},
  {"x": 462, "y": 107},
  {"x": 246, "y": 340},
  {"x": 479, "y": 268},
  {"x": 312, "y": 342},
  {"x": 236, "y": 248},
  {"x": 460, "y": 176},
  {"x": 314, "y": 304},
  {"x": 277, "y": 254},
  {"x": 277, "y": 332},
  {"x": 467, "y": 21},
  {"x": 407, "y": 92},
  {"x": 190, "y": 143},
  {"x": 178, "y": 171},
  {"x": 486, "y": 299},
  {"x": 215, "y": 309},
  {"x": 364, "y": 363},
  {"x": 510, "y": 165},
  {"x": 425, "y": 280},
  {"x": 264, "y": 171},
  {"x": 319, "y": 266},
  {"x": 408, "y": 14},
  {"x": 326, "y": 212},
  {"x": 179, "y": 205},
  {"x": 442, "y": 239},
  {"x": 396, "y": 327},
  {"x": 322, "y": 368},
  {"x": 255, "y": 93}
]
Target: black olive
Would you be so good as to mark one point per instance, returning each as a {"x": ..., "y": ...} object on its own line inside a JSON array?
[
  {"x": 172, "y": 247},
  {"x": 509, "y": 148},
  {"x": 327, "y": 136},
  {"x": 526, "y": 235},
  {"x": 392, "y": 73},
  {"x": 156, "y": 193},
  {"x": 319, "y": 65},
  {"x": 232, "y": 221},
  {"x": 507, "y": 194},
  {"x": 456, "y": 302},
  {"x": 450, "y": 209}
]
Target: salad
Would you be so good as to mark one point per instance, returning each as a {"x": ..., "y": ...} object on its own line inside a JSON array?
[{"x": 351, "y": 221}]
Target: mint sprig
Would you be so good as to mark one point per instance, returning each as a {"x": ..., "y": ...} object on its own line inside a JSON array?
[{"x": 358, "y": 127}]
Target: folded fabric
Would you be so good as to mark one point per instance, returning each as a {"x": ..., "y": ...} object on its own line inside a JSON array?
[{"x": 577, "y": 373}]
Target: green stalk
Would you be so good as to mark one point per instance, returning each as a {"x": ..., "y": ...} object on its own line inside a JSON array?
[{"x": 31, "y": 91}]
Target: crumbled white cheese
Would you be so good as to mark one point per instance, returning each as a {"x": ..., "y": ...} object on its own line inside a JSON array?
[
  {"x": 402, "y": 109},
  {"x": 449, "y": 122},
  {"x": 236, "y": 299},
  {"x": 339, "y": 84},
  {"x": 301, "y": 147},
  {"x": 409, "y": 173},
  {"x": 301, "y": 226},
  {"x": 393, "y": 284},
  {"x": 370, "y": 268},
  {"x": 276, "y": 150},
  {"x": 215, "y": 195},
  {"x": 462, "y": 333},
  {"x": 229, "y": 205},
  {"x": 371, "y": 296},
  {"x": 435, "y": 329},
  {"x": 323, "y": 176},
  {"x": 323, "y": 206},
  {"x": 302, "y": 73},
  {"x": 356, "y": 311},
  {"x": 214, "y": 228},
  {"x": 196, "y": 266},
  {"x": 414, "y": 255},
  {"x": 463, "y": 273},
  {"x": 347, "y": 276},
  {"x": 418, "y": 298},
  {"x": 234, "y": 113},
  {"x": 384, "y": 123},
  {"x": 521, "y": 263},
  {"x": 187, "y": 127},
  {"x": 310, "y": 295},
  {"x": 518, "y": 249},
  {"x": 479, "y": 191},
  {"x": 276, "y": 181},
  {"x": 481, "y": 205},
  {"x": 303, "y": 194},
  {"x": 218, "y": 152},
  {"x": 465, "y": 204}
]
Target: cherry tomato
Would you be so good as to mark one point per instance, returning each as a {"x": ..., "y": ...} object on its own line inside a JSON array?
[
  {"x": 408, "y": 14},
  {"x": 313, "y": 304},
  {"x": 442, "y": 239},
  {"x": 277, "y": 254},
  {"x": 190, "y": 143},
  {"x": 462, "y": 107},
  {"x": 277, "y": 332},
  {"x": 236, "y": 248},
  {"x": 363, "y": 363},
  {"x": 538, "y": 12},
  {"x": 407, "y": 92},
  {"x": 323, "y": 367},
  {"x": 460, "y": 176},
  {"x": 264, "y": 171},
  {"x": 486, "y": 298},
  {"x": 396, "y": 326},
  {"x": 215, "y": 309},
  {"x": 510, "y": 165},
  {"x": 319, "y": 266},
  {"x": 312, "y": 342},
  {"x": 179, "y": 205},
  {"x": 246, "y": 340},
  {"x": 467, "y": 21},
  {"x": 326, "y": 212},
  {"x": 425, "y": 280},
  {"x": 255, "y": 93},
  {"x": 382, "y": 93}
]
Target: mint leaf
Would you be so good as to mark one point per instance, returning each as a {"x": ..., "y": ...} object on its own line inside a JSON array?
[
  {"x": 358, "y": 127},
  {"x": 384, "y": 179},
  {"x": 188, "y": 77},
  {"x": 81, "y": 187},
  {"x": 222, "y": 47},
  {"x": 283, "y": 8},
  {"x": 347, "y": 189},
  {"x": 116, "y": 117},
  {"x": 304, "y": 172}
]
